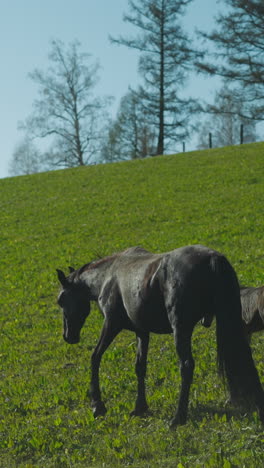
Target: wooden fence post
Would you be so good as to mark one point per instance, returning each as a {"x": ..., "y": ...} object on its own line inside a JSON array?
[
  {"x": 241, "y": 134},
  {"x": 210, "y": 140}
]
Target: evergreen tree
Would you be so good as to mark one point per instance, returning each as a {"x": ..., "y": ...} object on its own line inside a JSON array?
[
  {"x": 166, "y": 57},
  {"x": 238, "y": 53}
]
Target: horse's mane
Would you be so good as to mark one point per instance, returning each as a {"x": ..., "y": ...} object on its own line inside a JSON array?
[
  {"x": 83, "y": 268},
  {"x": 100, "y": 259},
  {"x": 95, "y": 263}
]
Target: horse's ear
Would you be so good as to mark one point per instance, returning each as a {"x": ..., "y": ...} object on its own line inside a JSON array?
[
  {"x": 71, "y": 269},
  {"x": 62, "y": 278}
]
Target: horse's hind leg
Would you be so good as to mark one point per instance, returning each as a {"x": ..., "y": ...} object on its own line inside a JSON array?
[
  {"x": 141, "y": 367},
  {"x": 183, "y": 348}
]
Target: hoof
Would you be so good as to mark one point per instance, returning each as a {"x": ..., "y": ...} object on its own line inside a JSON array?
[
  {"x": 261, "y": 415},
  {"x": 177, "y": 421},
  {"x": 99, "y": 409},
  {"x": 144, "y": 411}
]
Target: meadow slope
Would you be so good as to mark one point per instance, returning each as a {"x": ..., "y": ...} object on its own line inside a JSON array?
[{"x": 69, "y": 217}]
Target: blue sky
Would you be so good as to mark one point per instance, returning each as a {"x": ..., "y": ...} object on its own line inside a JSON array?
[{"x": 28, "y": 26}]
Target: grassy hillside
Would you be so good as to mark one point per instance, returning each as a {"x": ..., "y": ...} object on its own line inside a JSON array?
[{"x": 70, "y": 217}]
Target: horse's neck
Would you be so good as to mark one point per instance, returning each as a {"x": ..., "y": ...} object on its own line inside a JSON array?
[{"x": 94, "y": 277}]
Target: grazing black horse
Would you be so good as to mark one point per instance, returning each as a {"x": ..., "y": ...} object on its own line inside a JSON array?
[
  {"x": 252, "y": 301},
  {"x": 163, "y": 293}
]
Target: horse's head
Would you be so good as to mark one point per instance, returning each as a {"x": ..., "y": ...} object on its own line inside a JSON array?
[{"x": 75, "y": 302}]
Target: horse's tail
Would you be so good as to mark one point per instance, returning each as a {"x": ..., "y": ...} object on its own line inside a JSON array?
[{"x": 235, "y": 362}]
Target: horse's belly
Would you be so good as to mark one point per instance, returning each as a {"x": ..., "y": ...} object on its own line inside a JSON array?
[
  {"x": 161, "y": 328},
  {"x": 152, "y": 318}
]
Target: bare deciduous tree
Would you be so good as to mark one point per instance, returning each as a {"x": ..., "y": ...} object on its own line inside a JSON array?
[
  {"x": 66, "y": 109},
  {"x": 26, "y": 159},
  {"x": 129, "y": 136},
  {"x": 225, "y": 122}
]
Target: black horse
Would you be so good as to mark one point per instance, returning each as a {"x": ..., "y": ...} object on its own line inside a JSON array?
[
  {"x": 252, "y": 301},
  {"x": 163, "y": 293}
]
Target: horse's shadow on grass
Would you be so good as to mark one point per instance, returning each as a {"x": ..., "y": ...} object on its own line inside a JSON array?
[
  {"x": 207, "y": 411},
  {"x": 210, "y": 411}
]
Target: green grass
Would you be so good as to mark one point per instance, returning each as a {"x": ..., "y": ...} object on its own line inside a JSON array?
[{"x": 69, "y": 217}]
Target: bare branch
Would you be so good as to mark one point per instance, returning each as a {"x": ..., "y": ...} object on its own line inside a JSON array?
[{"x": 66, "y": 108}]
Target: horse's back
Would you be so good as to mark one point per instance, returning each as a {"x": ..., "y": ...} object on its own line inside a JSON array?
[
  {"x": 150, "y": 284},
  {"x": 135, "y": 251},
  {"x": 193, "y": 254},
  {"x": 193, "y": 276},
  {"x": 190, "y": 265},
  {"x": 194, "y": 264}
]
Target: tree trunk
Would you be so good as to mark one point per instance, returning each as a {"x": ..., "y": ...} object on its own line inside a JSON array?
[{"x": 160, "y": 147}]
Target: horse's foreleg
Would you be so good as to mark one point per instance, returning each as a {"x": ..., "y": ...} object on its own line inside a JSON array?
[
  {"x": 183, "y": 347},
  {"x": 109, "y": 332},
  {"x": 141, "y": 367}
]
